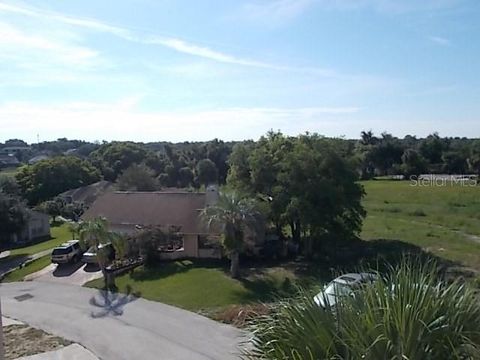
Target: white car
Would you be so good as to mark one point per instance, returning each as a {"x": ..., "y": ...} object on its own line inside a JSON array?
[
  {"x": 71, "y": 251},
  {"x": 344, "y": 285},
  {"x": 90, "y": 256}
]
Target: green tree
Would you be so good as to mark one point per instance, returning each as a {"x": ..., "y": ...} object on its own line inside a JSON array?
[
  {"x": 53, "y": 208},
  {"x": 454, "y": 162},
  {"x": 73, "y": 210},
  {"x": 138, "y": 178},
  {"x": 115, "y": 157},
  {"x": 309, "y": 187},
  {"x": 207, "y": 172},
  {"x": 48, "y": 178},
  {"x": 432, "y": 148},
  {"x": 474, "y": 157},
  {"x": 413, "y": 163},
  {"x": 9, "y": 186},
  {"x": 95, "y": 233},
  {"x": 233, "y": 215},
  {"x": 13, "y": 216},
  {"x": 185, "y": 177}
]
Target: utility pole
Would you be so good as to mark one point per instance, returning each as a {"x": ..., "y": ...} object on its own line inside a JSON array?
[{"x": 2, "y": 350}]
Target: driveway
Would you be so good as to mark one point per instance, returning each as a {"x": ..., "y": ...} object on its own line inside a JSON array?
[
  {"x": 117, "y": 327},
  {"x": 74, "y": 274}
]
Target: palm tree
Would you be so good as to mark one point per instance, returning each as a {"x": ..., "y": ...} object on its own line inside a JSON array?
[
  {"x": 233, "y": 215},
  {"x": 94, "y": 233}
]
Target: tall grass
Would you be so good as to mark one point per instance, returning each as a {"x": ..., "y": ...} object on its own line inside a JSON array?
[{"x": 407, "y": 315}]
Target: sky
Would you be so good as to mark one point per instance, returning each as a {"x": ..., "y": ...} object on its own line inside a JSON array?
[{"x": 178, "y": 70}]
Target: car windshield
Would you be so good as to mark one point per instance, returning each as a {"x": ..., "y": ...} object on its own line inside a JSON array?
[
  {"x": 61, "y": 251},
  {"x": 338, "y": 289}
]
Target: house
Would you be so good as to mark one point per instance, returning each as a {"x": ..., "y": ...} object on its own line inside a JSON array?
[
  {"x": 38, "y": 158},
  {"x": 36, "y": 228},
  {"x": 8, "y": 161},
  {"x": 128, "y": 212},
  {"x": 87, "y": 194},
  {"x": 13, "y": 150}
]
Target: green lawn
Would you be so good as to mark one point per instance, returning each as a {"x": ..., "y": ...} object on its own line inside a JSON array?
[
  {"x": 34, "y": 266},
  {"x": 443, "y": 220},
  {"x": 8, "y": 171},
  {"x": 60, "y": 234},
  {"x": 201, "y": 286}
]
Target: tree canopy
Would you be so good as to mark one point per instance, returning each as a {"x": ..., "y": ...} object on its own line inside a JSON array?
[
  {"x": 307, "y": 185},
  {"x": 48, "y": 178},
  {"x": 13, "y": 216}
]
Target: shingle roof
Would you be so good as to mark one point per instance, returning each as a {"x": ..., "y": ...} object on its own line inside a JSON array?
[
  {"x": 88, "y": 194},
  {"x": 151, "y": 208}
]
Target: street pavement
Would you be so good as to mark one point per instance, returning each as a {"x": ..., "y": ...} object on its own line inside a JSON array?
[{"x": 116, "y": 326}]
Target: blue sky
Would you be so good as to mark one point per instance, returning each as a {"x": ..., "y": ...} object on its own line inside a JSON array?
[{"x": 152, "y": 70}]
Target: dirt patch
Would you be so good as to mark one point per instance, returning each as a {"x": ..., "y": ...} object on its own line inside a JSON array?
[
  {"x": 22, "y": 340},
  {"x": 239, "y": 315}
]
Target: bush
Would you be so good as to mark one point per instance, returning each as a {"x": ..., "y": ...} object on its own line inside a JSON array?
[
  {"x": 409, "y": 314},
  {"x": 418, "y": 212}
]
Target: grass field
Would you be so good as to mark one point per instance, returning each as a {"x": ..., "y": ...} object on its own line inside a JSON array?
[
  {"x": 201, "y": 285},
  {"x": 444, "y": 220}
]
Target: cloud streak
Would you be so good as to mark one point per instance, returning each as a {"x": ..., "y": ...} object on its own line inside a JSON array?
[
  {"x": 175, "y": 44},
  {"x": 278, "y": 12},
  {"x": 440, "y": 40}
]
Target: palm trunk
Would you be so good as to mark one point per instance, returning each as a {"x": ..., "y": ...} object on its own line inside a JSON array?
[{"x": 234, "y": 264}]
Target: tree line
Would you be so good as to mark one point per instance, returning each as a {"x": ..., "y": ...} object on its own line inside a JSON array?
[{"x": 306, "y": 184}]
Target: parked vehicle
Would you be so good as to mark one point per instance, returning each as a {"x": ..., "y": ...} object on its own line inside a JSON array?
[
  {"x": 344, "y": 285},
  {"x": 90, "y": 256},
  {"x": 71, "y": 251}
]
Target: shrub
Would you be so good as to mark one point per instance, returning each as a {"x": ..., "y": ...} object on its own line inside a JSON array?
[
  {"x": 418, "y": 212},
  {"x": 409, "y": 314}
]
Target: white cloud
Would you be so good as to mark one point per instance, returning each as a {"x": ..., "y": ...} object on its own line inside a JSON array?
[
  {"x": 121, "y": 121},
  {"x": 15, "y": 42},
  {"x": 178, "y": 45},
  {"x": 440, "y": 40}
]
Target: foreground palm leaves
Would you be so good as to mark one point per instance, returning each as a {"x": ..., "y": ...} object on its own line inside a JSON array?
[{"x": 408, "y": 315}]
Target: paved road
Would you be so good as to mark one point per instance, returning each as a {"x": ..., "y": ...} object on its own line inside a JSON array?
[{"x": 121, "y": 328}]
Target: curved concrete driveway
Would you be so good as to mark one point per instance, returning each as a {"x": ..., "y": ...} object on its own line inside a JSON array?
[{"x": 120, "y": 326}]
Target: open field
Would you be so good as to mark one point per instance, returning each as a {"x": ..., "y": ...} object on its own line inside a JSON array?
[{"x": 444, "y": 220}]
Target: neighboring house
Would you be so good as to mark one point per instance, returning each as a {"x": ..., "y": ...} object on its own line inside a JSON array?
[
  {"x": 12, "y": 150},
  {"x": 87, "y": 194},
  {"x": 8, "y": 161},
  {"x": 37, "y": 227},
  {"x": 38, "y": 158},
  {"x": 128, "y": 212}
]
